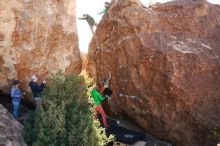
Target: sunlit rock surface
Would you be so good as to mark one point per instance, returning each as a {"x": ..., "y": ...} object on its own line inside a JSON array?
[
  {"x": 37, "y": 37},
  {"x": 165, "y": 67}
]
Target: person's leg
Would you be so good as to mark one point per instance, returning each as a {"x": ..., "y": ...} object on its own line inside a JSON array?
[
  {"x": 37, "y": 102},
  {"x": 91, "y": 28},
  {"x": 16, "y": 106},
  {"x": 102, "y": 112}
]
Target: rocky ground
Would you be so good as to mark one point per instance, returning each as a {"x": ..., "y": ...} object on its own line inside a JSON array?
[{"x": 11, "y": 131}]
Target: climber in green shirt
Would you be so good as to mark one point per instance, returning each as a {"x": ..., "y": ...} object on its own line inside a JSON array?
[
  {"x": 97, "y": 99},
  {"x": 90, "y": 20},
  {"x": 107, "y": 6}
]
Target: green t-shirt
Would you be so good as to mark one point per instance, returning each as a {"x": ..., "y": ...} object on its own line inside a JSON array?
[
  {"x": 103, "y": 11},
  {"x": 89, "y": 20},
  {"x": 97, "y": 97}
]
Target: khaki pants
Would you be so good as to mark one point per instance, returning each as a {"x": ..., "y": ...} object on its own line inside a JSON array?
[{"x": 37, "y": 102}]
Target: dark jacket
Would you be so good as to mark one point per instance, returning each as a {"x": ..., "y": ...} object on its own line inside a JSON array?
[{"x": 36, "y": 89}]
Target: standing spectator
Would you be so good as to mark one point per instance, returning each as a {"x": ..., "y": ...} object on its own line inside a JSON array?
[
  {"x": 37, "y": 90},
  {"x": 16, "y": 98}
]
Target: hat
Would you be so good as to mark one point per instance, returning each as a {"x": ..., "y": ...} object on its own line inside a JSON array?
[{"x": 16, "y": 82}]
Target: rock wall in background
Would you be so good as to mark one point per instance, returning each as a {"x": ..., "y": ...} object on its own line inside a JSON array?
[
  {"x": 165, "y": 67},
  {"x": 85, "y": 62},
  {"x": 37, "y": 37}
]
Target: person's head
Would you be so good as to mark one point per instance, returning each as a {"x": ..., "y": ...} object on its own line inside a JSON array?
[
  {"x": 104, "y": 80},
  {"x": 107, "y": 4},
  {"x": 34, "y": 78},
  {"x": 84, "y": 15},
  {"x": 16, "y": 82}
]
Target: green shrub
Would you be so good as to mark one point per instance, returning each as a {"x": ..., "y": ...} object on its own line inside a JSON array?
[
  {"x": 30, "y": 133},
  {"x": 66, "y": 117},
  {"x": 215, "y": 134}
]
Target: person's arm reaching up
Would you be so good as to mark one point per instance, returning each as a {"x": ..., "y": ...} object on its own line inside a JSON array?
[
  {"x": 110, "y": 76},
  {"x": 102, "y": 89}
]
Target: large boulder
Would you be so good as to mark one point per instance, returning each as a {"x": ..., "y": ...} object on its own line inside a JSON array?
[
  {"x": 165, "y": 67},
  {"x": 37, "y": 37},
  {"x": 11, "y": 131}
]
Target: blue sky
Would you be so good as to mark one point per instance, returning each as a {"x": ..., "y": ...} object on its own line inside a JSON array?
[{"x": 92, "y": 7}]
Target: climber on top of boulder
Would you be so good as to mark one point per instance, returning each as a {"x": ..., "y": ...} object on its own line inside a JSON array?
[
  {"x": 90, "y": 20},
  {"x": 107, "y": 6}
]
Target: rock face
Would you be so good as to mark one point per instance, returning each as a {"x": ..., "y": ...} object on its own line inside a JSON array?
[
  {"x": 11, "y": 131},
  {"x": 85, "y": 62},
  {"x": 165, "y": 67},
  {"x": 37, "y": 37}
]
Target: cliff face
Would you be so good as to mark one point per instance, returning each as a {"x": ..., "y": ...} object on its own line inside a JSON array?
[
  {"x": 85, "y": 62},
  {"x": 11, "y": 131},
  {"x": 37, "y": 37},
  {"x": 165, "y": 67}
]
